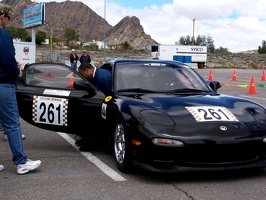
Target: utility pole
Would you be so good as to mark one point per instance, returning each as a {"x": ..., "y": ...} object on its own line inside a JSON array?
[
  {"x": 51, "y": 36},
  {"x": 193, "y": 39},
  {"x": 104, "y": 42},
  {"x": 51, "y": 39}
]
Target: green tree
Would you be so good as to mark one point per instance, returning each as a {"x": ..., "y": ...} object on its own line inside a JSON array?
[
  {"x": 210, "y": 44},
  {"x": 185, "y": 40},
  {"x": 222, "y": 50},
  {"x": 12, "y": 31},
  {"x": 201, "y": 40},
  {"x": 22, "y": 34},
  {"x": 28, "y": 39},
  {"x": 125, "y": 45},
  {"x": 70, "y": 35},
  {"x": 40, "y": 37},
  {"x": 18, "y": 33},
  {"x": 93, "y": 46},
  {"x": 262, "y": 48}
]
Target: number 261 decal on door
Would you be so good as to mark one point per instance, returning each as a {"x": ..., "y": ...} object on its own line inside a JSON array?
[{"x": 50, "y": 110}]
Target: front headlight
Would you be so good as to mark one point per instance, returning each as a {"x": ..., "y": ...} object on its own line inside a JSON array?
[
  {"x": 158, "y": 118},
  {"x": 167, "y": 142}
]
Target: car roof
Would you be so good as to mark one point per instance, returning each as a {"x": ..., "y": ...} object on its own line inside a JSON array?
[{"x": 109, "y": 64}]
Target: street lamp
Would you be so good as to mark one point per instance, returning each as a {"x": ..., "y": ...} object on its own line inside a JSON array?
[{"x": 193, "y": 39}]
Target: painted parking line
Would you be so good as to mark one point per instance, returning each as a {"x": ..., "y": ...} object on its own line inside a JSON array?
[{"x": 102, "y": 166}]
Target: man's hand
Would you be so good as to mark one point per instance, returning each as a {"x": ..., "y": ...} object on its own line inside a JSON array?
[
  {"x": 18, "y": 64},
  {"x": 20, "y": 74}
]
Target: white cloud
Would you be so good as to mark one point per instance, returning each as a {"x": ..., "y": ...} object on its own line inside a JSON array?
[{"x": 238, "y": 25}]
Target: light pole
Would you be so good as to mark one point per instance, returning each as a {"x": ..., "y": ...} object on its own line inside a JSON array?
[
  {"x": 193, "y": 39},
  {"x": 51, "y": 37},
  {"x": 104, "y": 42}
]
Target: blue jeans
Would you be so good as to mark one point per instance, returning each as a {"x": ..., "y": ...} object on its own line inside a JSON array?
[
  {"x": 9, "y": 119},
  {"x": 74, "y": 65}
]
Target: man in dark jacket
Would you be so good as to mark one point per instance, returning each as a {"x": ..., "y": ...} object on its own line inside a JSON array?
[
  {"x": 85, "y": 57},
  {"x": 100, "y": 78}
]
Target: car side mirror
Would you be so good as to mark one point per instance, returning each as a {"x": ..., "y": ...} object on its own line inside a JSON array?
[
  {"x": 82, "y": 85},
  {"x": 215, "y": 85}
]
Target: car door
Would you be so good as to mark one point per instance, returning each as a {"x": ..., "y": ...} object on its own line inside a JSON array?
[{"x": 47, "y": 99}]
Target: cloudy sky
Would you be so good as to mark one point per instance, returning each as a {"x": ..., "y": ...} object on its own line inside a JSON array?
[{"x": 238, "y": 25}]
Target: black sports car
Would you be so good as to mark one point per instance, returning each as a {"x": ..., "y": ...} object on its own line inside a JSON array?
[{"x": 163, "y": 116}]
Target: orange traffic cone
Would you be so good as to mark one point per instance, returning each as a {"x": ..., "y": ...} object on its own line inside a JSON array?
[
  {"x": 252, "y": 87},
  {"x": 210, "y": 76},
  {"x": 234, "y": 76},
  {"x": 182, "y": 78},
  {"x": 71, "y": 81},
  {"x": 49, "y": 75},
  {"x": 263, "y": 76}
]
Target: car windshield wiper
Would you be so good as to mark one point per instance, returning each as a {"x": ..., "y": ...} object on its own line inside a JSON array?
[
  {"x": 188, "y": 90},
  {"x": 134, "y": 90}
]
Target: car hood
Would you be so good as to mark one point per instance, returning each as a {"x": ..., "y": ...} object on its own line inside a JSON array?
[{"x": 197, "y": 115}]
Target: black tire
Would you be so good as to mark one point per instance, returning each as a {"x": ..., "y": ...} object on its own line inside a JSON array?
[{"x": 122, "y": 146}]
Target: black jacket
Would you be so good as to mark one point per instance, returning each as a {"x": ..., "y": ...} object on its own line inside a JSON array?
[{"x": 72, "y": 59}]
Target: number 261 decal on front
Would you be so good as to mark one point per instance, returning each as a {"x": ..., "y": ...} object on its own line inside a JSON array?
[
  {"x": 211, "y": 113},
  {"x": 50, "y": 110}
]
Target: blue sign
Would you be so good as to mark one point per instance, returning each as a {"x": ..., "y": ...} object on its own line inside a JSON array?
[{"x": 34, "y": 15}]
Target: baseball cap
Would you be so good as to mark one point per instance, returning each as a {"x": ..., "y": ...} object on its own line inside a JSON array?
[{"x": 73, "y": 50}]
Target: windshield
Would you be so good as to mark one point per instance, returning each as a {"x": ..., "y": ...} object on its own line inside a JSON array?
[{"x": 156, "y": 77}]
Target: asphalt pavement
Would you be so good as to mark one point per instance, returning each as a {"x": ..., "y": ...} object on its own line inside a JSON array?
[{"x": 66, "y": 173}]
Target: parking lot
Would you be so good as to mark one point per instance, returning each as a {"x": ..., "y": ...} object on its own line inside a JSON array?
[
  {"x": 241, "y": 86},
  {"x": 66, "y": 173}
]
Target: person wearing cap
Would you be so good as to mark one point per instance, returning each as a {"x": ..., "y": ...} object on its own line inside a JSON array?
[
  {"x": 85, "y": 57},
  {"x": 9, "y": 115},
  {"x": 74, "y": 59}
]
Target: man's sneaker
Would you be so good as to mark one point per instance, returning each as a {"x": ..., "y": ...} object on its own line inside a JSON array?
[
  {"x": 6, "y": 139},
  {"x": 2, "y": 167},
  {"x": 28, "y": 166}
]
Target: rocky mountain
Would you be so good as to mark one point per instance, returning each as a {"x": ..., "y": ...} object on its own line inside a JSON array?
[
  {"x": 88, "y": 25},
  {"x": 130, "y": 30}
]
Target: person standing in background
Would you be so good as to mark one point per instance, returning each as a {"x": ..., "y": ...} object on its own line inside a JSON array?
[
  {"x": 9, "y": 115},
  {"x": 85, "y": 57},
  {"x": 74, "y": 59}
]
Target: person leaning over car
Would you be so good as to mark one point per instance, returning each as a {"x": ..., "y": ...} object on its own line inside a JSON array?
[
  {"x": 9, "y": 116},
  {"x": 100, "y": 78},
  {"x": 85, "y": 57}
]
